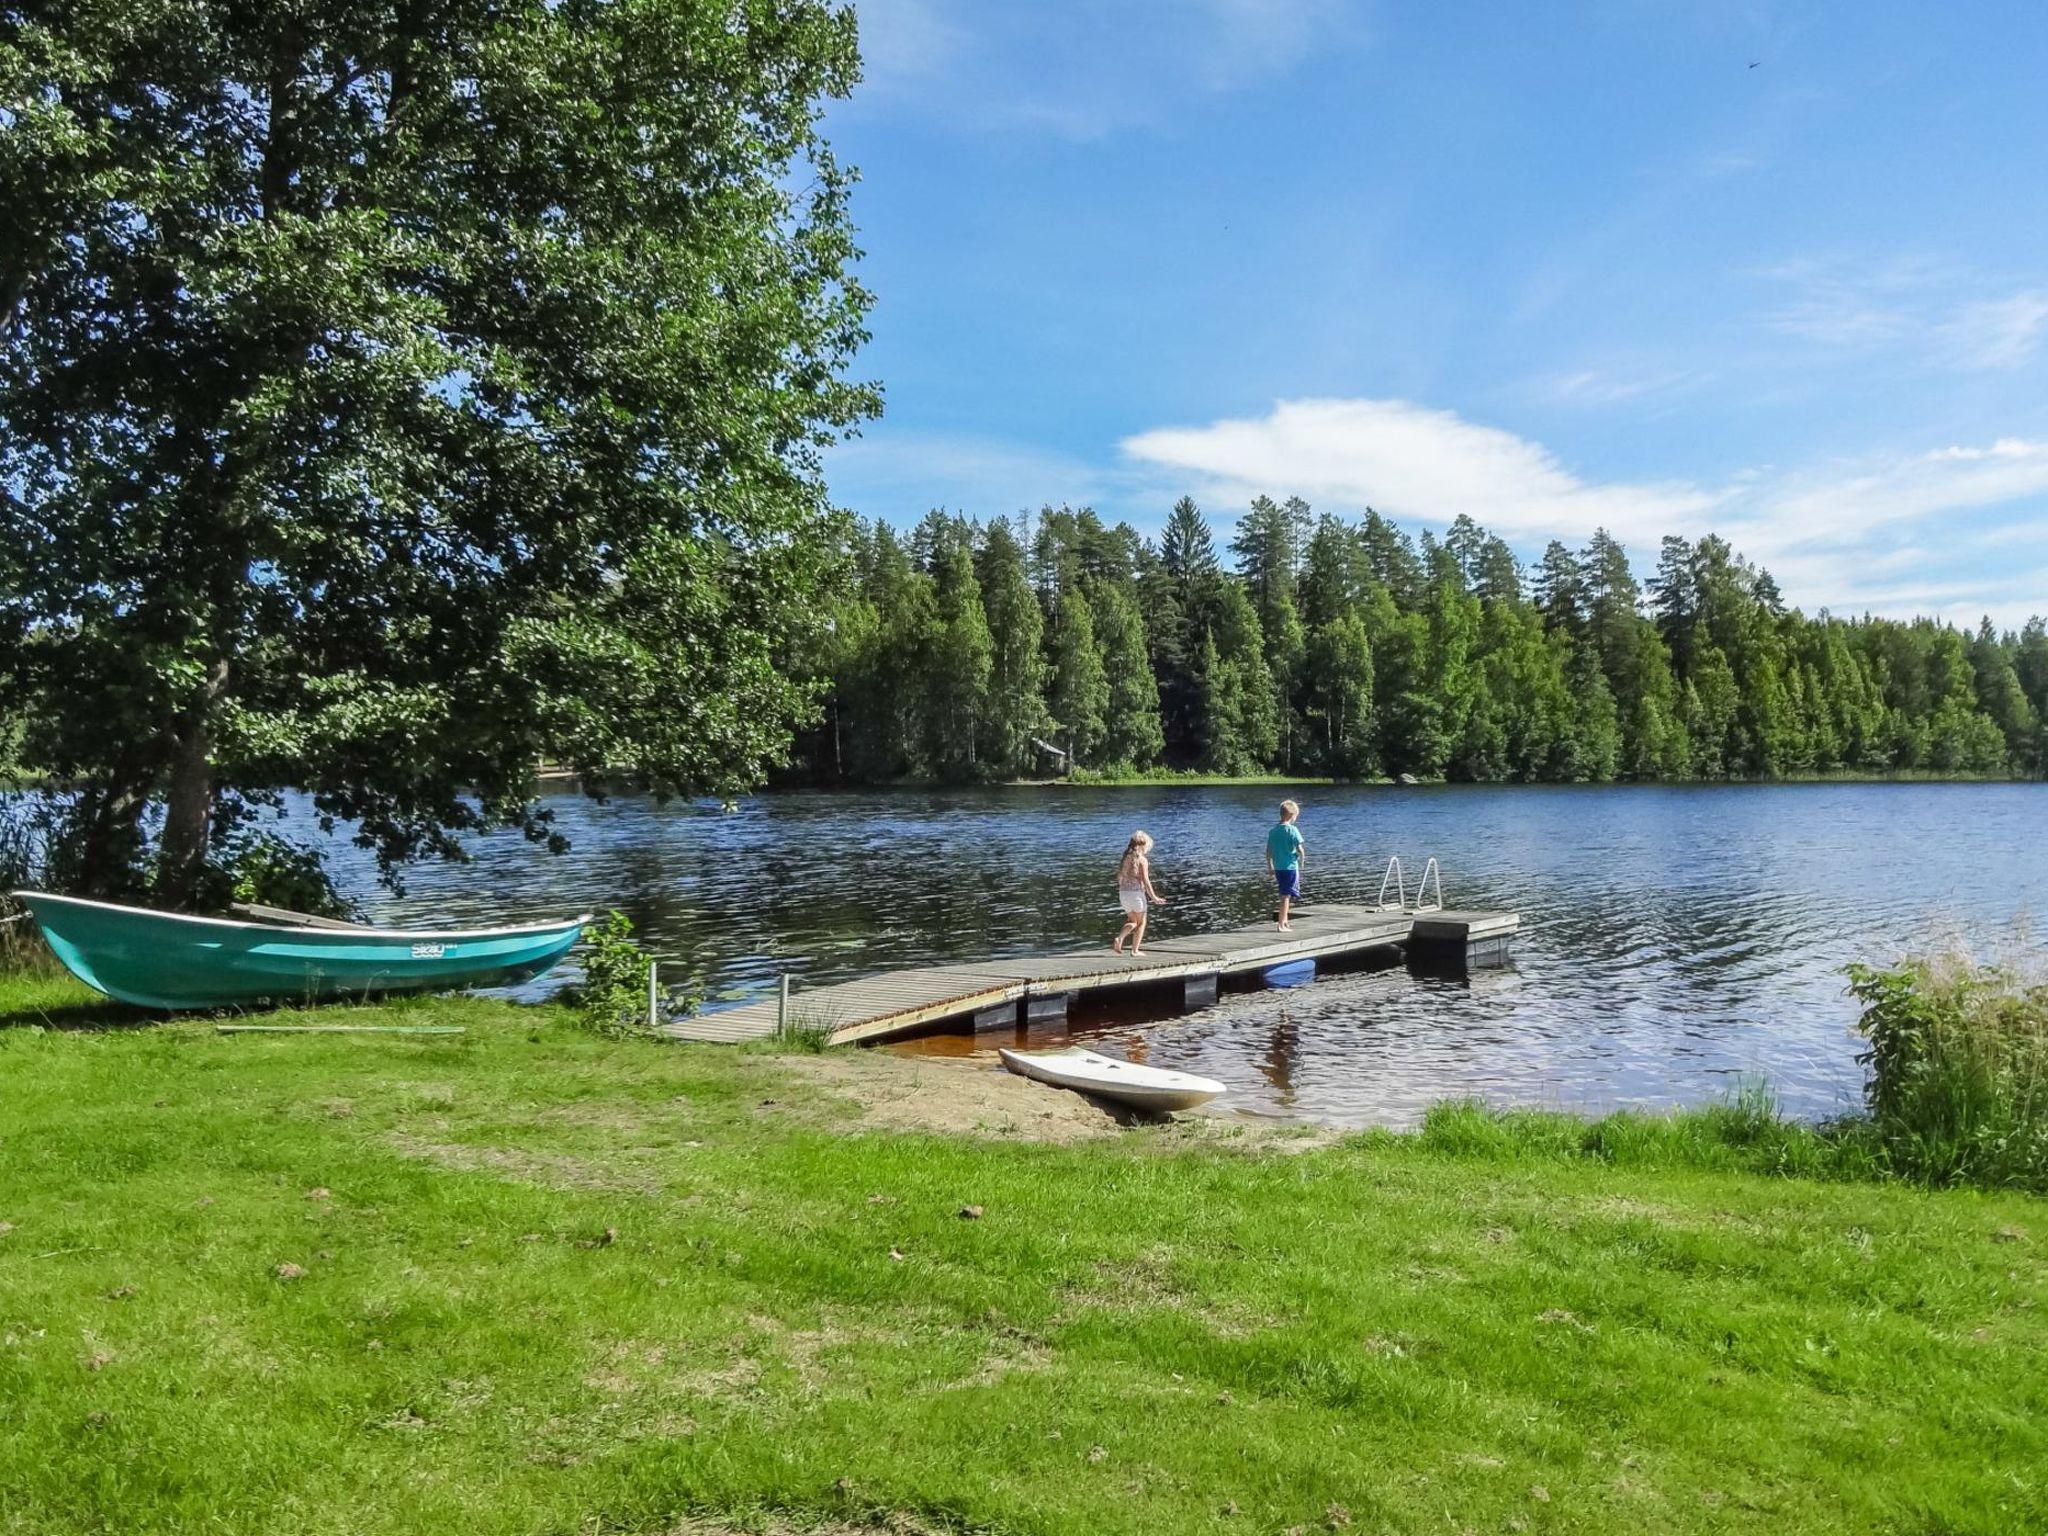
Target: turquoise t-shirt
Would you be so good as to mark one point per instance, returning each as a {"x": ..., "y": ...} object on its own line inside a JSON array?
[{"x": 1283, "y": 844}]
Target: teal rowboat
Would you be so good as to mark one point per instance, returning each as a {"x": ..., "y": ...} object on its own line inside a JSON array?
[{"x": 169, "y": 960}]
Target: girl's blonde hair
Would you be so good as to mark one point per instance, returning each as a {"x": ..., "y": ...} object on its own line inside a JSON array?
[{"x": 1138, "y": 840}]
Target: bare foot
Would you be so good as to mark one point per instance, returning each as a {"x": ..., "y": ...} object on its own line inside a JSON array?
[
  {"x": 1136, "y": 951},
  {"x": 1117, "y": 947},
  {"x": 1286, "y": 927}
]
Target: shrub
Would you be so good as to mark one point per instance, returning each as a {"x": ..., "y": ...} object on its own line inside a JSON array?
[
  {"x": 1958, "y": 1062},
  {"x": 612, "y": 999}
]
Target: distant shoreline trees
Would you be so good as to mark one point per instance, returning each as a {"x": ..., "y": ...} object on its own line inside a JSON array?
[{"x": 1346, "y": 648}]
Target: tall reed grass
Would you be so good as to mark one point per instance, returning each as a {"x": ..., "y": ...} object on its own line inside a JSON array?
[
  {"x": 21, "y": 862},
  {"x": 1958, "y": 1062}
]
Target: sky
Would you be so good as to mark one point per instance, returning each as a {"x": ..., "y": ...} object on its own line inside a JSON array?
[{"x": 1773, "y": 270}]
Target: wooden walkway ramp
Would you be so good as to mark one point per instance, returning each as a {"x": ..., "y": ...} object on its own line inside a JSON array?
[{"x": 1001, "y": 994}]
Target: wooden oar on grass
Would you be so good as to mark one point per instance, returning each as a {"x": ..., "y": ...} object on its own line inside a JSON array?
[{"x": 340, "y": 1029}]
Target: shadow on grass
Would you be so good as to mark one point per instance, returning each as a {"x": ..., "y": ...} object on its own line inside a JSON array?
[
  {"x": 36, "y": 1002},
  {"x": 37, "y": 996}
]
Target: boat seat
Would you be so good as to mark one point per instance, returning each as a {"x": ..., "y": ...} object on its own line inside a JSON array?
[{"x": 283, "y": 917}]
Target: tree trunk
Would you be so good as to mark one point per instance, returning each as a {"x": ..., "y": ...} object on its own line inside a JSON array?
[
  {"x": 188, "y": 808},
  {"x": 109, "y": 848}
]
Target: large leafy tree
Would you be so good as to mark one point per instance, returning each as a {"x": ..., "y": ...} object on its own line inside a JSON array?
[{"x": 392, "y": 395}]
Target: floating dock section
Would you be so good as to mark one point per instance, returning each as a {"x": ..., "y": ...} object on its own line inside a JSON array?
[{"x": 1035, "y": 989}]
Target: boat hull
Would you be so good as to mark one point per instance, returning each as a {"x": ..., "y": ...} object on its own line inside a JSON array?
[
  {"x": 169, "y": 961},
  {"x": 1122, "y": 1082}
]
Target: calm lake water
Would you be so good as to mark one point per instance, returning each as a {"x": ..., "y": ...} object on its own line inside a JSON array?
[{"x": 1674, "y": 939}]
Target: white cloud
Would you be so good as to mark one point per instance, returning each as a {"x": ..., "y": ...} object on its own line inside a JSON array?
[
  {"x": 1944, "y": 531},
  {"x": 1082, "y": 71},
  {"x": 1609, "y": 386},
  {"x": 1999, "y": 333},
  {"x": 1844, "y": 504},
  {"x": 1412, "y": 462},
  {"x": 1953, "y": 532},
  {"x": 1840, "y": 305},
  {"x": 1940, "y": 310}
]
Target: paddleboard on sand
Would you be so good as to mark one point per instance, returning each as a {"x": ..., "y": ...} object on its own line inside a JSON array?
[{"x": 1125, "y": 1082}]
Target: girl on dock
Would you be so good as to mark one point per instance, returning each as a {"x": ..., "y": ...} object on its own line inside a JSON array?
[{"x": 1134, "y": 890}]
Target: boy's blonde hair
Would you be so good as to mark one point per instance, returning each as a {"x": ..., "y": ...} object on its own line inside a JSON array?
[{"x": 1289, "y": 810}]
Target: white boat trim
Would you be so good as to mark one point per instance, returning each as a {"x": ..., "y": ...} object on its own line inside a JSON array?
[{"x": 407, "y": 934}]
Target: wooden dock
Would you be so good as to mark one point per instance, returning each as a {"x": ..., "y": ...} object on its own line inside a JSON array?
[{"x": 1004, "y": 994}]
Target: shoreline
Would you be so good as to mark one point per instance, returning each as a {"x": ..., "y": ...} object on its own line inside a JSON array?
[{"x": 1282, "y": 781}]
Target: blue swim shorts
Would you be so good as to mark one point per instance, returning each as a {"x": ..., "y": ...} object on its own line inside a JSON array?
[{"x": 1289, "y": 881}]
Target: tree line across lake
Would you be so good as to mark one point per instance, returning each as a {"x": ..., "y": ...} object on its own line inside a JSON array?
[{"x": 965, "y": 651}]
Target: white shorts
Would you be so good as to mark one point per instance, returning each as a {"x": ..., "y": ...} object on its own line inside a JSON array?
[{"x": 1133, "y": 901}]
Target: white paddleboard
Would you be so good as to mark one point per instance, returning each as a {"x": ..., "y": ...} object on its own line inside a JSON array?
[{"x": 1126, "y": 1082}]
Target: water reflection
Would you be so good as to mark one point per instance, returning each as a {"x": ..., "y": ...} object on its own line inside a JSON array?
[{"x": 1676, "y": 938}]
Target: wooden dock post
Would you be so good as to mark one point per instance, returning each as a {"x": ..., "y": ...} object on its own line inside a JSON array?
[
  {"x": 1041, "y": 1008},
  {"x": 997, "y": 1017},
  {"x": 1199, "y": 991}
]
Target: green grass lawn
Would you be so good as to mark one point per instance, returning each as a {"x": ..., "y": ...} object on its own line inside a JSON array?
[{"x": 524, "y": 1281}]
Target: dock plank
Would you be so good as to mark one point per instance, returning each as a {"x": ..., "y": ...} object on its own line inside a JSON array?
[{"x": 904, "y": 1001}]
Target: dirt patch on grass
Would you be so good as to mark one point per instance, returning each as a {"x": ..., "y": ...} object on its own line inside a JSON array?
[
  {"x": 555, "y": 1170},
  {"x": 970, "y": 1096},
  {"x": 922, "y": 1093},
  {"x": 1146, "y": 1281}
]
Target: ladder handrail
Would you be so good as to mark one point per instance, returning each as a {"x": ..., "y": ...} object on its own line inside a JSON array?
[
  {"x": 1397, "y": 881},
  {"x": 1394, "y": 877},
  {"x": 1431, "y": 875}
]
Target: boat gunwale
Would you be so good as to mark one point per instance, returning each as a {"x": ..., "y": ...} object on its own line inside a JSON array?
[{"x": 358, "y": 935}]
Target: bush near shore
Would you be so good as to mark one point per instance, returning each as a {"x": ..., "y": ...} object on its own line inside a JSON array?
[
  {"x": 1958, "y": 1094},
  {"x": 1958, "y": 1068}
]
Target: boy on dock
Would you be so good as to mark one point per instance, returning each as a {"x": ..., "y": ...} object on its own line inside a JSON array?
[
  {"x": 1283, "y": 857},
  {"x": 1134, "y": 890}
]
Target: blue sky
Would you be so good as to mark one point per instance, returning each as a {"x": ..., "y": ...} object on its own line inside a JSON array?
[{"x": 1556, "y": 266}]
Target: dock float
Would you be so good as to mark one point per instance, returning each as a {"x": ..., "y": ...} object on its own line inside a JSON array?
[{"x": 1036, "y": 989}]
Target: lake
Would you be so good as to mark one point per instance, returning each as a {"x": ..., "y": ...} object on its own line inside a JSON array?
[{"x": 1675, "y": 939}]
